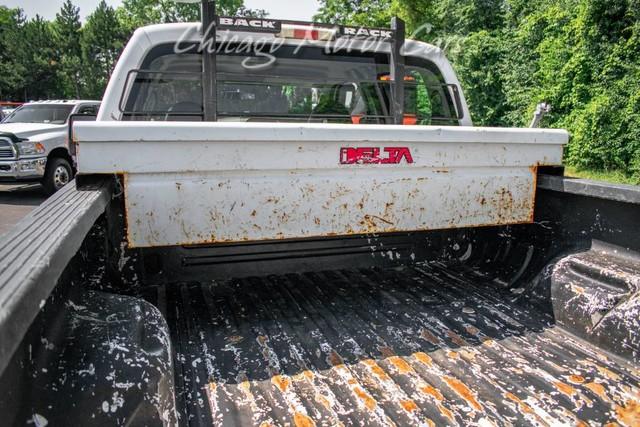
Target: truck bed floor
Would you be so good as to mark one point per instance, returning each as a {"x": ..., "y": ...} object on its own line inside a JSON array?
[{"x": 423, "y": 345}]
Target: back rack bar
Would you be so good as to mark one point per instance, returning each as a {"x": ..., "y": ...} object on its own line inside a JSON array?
[{"x": 212, "y": 22}]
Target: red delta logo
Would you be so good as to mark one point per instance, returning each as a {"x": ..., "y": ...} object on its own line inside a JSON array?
[{"x": 371, "y": 155}]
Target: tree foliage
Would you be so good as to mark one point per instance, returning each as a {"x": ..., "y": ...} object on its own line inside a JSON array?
[
  {"x": 581, "y": 56},
  {"x": 66, "y": 58},
  {"x": 66, "y": 30}
]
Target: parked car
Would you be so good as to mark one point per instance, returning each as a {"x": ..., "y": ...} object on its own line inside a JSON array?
[
  {"x": 6, "y": 108},
  {"x": 34, "y": 144},
  {"x": 317, "y": 255}
]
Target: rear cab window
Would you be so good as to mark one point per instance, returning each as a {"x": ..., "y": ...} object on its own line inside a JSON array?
[{"x": 292, "y": 84}]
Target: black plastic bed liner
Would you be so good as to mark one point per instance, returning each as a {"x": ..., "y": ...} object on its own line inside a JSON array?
[{"x": 423, "y": 345}]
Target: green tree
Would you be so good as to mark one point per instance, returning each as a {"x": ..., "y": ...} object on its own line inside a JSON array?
[
  {"x": 102, "y": 41},
  {"x": 67, "y": 31},
  {"x": 372, "y": 13},
  {"x": 137, "y": 13},
  {"x": 39, "y": 58},
  {"x": 12, "y": 73}
]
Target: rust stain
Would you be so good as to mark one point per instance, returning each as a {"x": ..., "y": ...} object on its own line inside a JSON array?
[
  {"x": 302, "y": 420},
  {"x": 262, "y": 340},
  {"x": 534, "y": 171},
  {"x": 377, "y": 370},
  {"x": 283, "y": 383},
  {"x": 629, "y": 415},
  {"x": 488, "y": 342},
  {"x": 335, "y": 359},
  {"x": 368, "y": 401},
  {"x": 245, "y": 386},
  {"x": 608, "y": 373},
  {"x": 577, "y": 289},
  {"x": 386, "y": 351},
  {"x": 598, "y": 390},
  {"x": 457, "y": 339},
  {"x": 523, "y": 406},
  {"x": 468, "y": 355},
  {"x": 565, "y": 389},
  {"x": 323, "y": 401},
  {"x": 463, "y": 391},
  {"x": 427, "y": 335},
  {"x": 575, "y": 379},
  {"x": 400, "y": 364},
  {"x": 409, "y": 405},
  {"x": 423, "y": 358},
  {"x": 472, "y": 330},
  {"x": 433, "y": 392},
  {"x": 453, "y": 355},
  {"x": 446, "y": 412}
]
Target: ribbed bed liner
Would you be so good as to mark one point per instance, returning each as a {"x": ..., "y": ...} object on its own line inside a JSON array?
[{"x": 422, "y": 345}]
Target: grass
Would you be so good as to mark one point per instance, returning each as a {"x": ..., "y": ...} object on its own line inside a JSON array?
[{"x": 616, "y": 177}]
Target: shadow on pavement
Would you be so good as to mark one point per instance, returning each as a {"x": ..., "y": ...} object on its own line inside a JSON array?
[{"x": 22, "y": 195}]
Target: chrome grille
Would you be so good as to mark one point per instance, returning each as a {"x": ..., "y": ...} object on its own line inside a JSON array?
[{"x": 6, "y": 150}]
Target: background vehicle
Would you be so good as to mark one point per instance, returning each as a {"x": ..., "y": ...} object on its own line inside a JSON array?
[
  {"x": 277, "y": 269},
  {"x": 34, "y": 146},
  {"x": 6, "y": 108}
]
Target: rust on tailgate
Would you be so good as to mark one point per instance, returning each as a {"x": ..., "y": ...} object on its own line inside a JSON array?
[{"x": 214, "y": 210}]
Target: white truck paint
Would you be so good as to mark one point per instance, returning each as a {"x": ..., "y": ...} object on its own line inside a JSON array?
[{"x": 189, "y": 183}]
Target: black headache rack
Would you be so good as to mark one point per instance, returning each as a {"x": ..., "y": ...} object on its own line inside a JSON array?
[
  {"x": 196, "y": 111},
  {"x": 211, "y": 23}
]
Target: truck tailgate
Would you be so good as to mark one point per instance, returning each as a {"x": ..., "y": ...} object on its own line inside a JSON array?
[{"x": 413, "y": 345}]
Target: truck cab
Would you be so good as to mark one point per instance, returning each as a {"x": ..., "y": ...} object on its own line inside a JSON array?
[
  {"x": 312, "y": 74},
  {"x": 34, "y": 145}
]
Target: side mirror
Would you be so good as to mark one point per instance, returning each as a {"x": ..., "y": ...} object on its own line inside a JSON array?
[{"x": 77, "y": 118}]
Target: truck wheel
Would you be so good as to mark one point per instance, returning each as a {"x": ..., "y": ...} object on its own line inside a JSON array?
[{"x": 58, "y": 174}]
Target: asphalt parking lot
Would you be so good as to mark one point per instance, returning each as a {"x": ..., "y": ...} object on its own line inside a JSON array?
[{"x": 16, "y": 201}]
